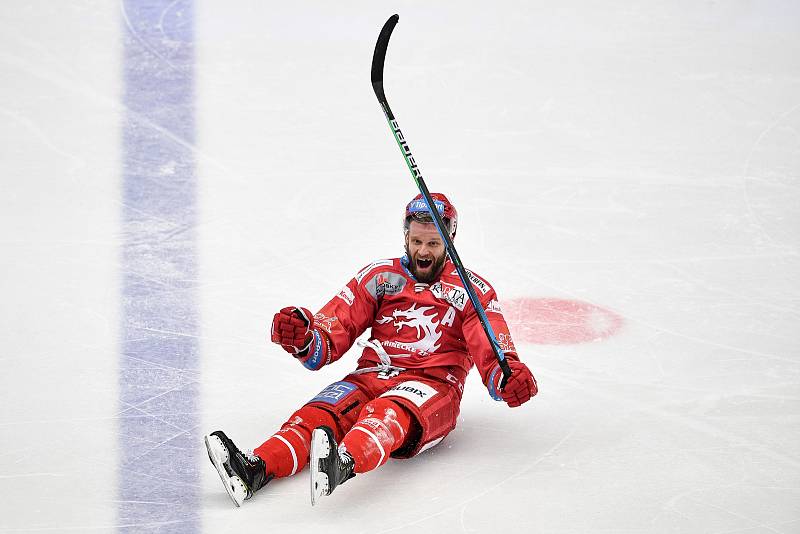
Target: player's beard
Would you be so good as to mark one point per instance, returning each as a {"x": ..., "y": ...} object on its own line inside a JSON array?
[{"x": 429, "y": 275}]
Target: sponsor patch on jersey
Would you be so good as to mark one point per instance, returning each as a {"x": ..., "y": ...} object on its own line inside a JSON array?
[
  {"x": 385, "y": 284},
  {"x": 479, "y": 284},
  {"x": 493, "y": 306},
  {"x": 380, "y": 263},
  {"x": 457, "y": 296},
  {"x": 346, "y": 295},
  {"x": 324, "y": 322},
  {"x": 334, "y": 393},
  {"x": 416, "y": 392}
]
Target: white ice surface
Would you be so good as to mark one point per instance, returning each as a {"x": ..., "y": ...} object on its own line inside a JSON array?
[{"x": 640, "y": 156}]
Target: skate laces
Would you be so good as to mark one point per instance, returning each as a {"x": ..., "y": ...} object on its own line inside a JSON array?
[
  {"x": 386, "y": 361},
  {"x": 251, "y": 457},
  {"x": 347, "y": 464},
  {"x": 344, "y": 454}
]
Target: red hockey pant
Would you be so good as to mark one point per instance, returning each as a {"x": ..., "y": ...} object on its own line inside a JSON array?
[
  {"x": 402, "y": 415},
  {"x": 380, "y": 429}
]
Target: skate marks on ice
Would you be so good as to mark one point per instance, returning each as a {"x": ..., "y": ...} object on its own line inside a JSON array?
[
  {"x": 769, "y": 179},
  {"x": 463, "y": 505},
  {"x": 159, "y": 382},
  {"x": 681, "y": 468}
]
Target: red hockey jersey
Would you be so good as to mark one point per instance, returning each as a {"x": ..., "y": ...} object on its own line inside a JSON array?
[{"x": 418, "y": 325}]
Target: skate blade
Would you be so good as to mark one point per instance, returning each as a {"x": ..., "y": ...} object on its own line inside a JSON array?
[
  {"x": 218, "y": 455},
  {"x": 320, "y": 448}
]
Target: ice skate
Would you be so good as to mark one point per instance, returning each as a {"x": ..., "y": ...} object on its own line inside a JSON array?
[
  {"x": 329, "y": 467},
  {"x": 242, "y": 474}
]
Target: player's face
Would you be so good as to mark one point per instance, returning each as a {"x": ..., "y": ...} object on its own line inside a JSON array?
[{"x": 425, "y": 250}]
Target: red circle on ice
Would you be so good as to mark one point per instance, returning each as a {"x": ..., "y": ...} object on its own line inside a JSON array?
[{"x": 559, "y": 322}]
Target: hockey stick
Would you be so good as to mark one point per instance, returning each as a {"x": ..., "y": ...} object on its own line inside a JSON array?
[{"x": 378, "y": 60}]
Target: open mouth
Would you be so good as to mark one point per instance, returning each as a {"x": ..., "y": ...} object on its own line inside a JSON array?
[{"x": 423, "y": 264}]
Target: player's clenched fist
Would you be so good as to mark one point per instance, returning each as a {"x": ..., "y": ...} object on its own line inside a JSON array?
[
  {"x": 519, "y": 388},
  {"x": 292, "y": 329}
]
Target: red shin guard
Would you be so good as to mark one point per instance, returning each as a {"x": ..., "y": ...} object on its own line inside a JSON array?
[
  {"x": 286, "y": 452},
  {"x": 381, "y": 428}
]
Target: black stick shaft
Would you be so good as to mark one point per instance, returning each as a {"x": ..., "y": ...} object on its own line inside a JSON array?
[{"x": 378, "y": 61}]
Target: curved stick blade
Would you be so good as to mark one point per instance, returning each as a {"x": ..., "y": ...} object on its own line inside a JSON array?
[{"x": 379, "y": 56}]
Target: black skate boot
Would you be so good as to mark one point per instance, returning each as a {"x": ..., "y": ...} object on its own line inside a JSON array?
[
  {"x": 242, "y": 474},
  {"x": 328, "y": 466}
]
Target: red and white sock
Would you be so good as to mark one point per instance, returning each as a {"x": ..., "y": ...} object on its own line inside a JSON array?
[
  {"x": 381, "y": 428},
  {"x": 286, "y": 451}
]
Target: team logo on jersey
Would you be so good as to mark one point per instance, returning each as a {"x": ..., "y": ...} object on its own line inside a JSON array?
[
  {"x": 427, "y": 328},
  {"x": 455, "y": 295},
  {"x": 505, "y": 342}
]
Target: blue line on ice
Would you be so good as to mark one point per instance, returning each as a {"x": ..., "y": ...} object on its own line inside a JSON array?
[{"x": 159, "y": 360}]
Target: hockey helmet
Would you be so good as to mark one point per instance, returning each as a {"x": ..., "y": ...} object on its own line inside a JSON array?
[{"x": 417, "y": 210}]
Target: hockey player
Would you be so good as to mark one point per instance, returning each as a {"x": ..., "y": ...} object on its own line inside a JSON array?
[{"x": 404, "y": 396}]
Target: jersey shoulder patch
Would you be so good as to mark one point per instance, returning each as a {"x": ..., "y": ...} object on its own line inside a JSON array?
[
  {"x": 374, "y": 265},
  {"x": 382, "y": 278}
]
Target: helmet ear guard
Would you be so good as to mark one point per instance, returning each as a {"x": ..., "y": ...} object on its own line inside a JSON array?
[{"x": 417, "y": 210}]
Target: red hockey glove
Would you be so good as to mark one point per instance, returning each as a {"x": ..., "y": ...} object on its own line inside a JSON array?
[
  {"x": 519, "y": 388},
  {"x": 292, "y": 329}
]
